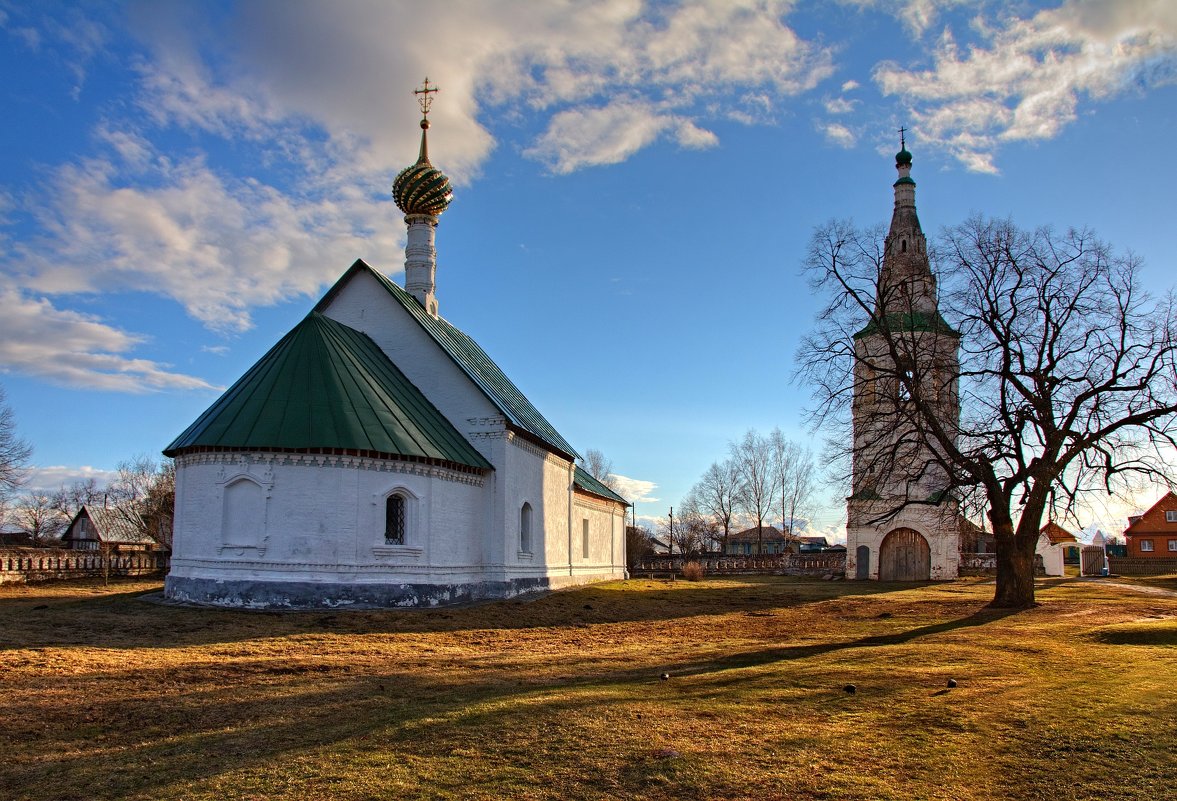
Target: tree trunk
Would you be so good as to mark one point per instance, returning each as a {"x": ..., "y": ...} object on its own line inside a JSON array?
[{"x": 1015, "y": 572}]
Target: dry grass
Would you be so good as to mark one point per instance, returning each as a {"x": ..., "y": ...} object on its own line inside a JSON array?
[{"x": 109, "y": 697}]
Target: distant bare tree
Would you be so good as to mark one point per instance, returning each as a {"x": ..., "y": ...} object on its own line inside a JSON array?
[
  {"x": 14, "y": 452},
  {"x": 693, "y": 533},
  {"x": 599, "y": 466},
  {"x": 638, "y": 545},
  {"x": 717, "y": 493},
  {"x": 38, "y": 517},
  {"x": 753, "y": 460},
  {"x": 144, "y": 494},
  {"x": 72, "y": 497},
  {"x": 1066, "y": 374},
  {"x": 795, "y": 479}
]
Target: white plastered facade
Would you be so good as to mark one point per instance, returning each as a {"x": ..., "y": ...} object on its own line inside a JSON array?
[{"x": 270, "y": 529}]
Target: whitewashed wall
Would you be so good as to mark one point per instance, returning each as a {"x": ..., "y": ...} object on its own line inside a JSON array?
[{"x": 937, "y": 525}]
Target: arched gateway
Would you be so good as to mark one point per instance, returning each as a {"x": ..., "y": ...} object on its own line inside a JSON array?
[{"x": 905, "y": 556}]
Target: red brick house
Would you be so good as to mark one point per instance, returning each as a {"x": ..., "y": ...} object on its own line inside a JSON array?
[{"x": 1154, "y": 533}]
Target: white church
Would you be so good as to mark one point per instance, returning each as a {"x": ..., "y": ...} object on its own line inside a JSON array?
[{"x": 376, "y": 456}]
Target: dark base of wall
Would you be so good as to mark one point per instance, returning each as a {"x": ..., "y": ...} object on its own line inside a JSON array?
[{"x": 313, "y": 595}]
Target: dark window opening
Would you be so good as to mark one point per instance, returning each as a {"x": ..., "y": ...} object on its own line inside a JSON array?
[{"x": 394, "y": 520}]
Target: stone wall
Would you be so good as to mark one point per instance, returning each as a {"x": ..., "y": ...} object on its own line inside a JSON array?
[
  {"x": 20, "y": 565},
  {"x": 770, "y": 564}
]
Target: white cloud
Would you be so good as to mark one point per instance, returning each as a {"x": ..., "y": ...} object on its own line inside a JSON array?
[
  {"x": 53, "y": 477},
  {"x": 634, "y": 490},
  {"x": 1027, "y": 78},
  {"x": 838, "y": 134},
  {"x": 849, "y": 86},
  {"x": 77, "y": 350},
  {"x": 590, "y": 137},
  {"x": 217, "y": 245},
  {"x": 840, "y": 105}
]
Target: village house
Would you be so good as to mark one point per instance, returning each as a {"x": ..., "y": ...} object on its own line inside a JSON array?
[
  {"x": 759, "y": 541},
  {"x": 1153, "y": 535},
  {"x": 96, "y": 526}
]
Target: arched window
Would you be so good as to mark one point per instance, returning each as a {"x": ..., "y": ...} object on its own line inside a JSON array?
[
  {"x": 902, "y": 245},
  {"x": 394, "y": 520},
  {"x": 525, "y": 528}
]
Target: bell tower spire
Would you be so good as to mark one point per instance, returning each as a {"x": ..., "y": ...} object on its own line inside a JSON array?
[
  {"x": 906, "y": 283},
  {"x": 422, "y": 192}
]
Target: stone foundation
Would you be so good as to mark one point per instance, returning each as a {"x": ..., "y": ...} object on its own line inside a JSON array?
[{"x": 246, "y": 594}]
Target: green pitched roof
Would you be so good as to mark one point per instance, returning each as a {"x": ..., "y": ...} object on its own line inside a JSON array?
[
  {"x": 914, "y": 321},
  {"x": 325, "y": 385},
  {"x": 472, "y": 360},
  {"x": 585, "y": 481}
]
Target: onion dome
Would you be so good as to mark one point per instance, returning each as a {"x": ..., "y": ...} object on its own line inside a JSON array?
[
  {"x": 422, "y": 188},
  {"x": 903, "y": 158}
]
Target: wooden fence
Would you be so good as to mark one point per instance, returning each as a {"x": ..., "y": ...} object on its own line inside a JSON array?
[
  {"x": 19, "y": 565},
  {"x": 788, "y": 564},
  {"x": 1142, "y": 565}
]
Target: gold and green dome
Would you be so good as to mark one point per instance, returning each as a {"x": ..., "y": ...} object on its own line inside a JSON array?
[{"x": 422, "y": 188}]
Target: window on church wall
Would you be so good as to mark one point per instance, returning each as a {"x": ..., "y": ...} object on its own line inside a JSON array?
[
  {"x": 584, "y": 539},
  {"x": 395, "y": 519},
  {"x": 904, "y": 383},
  {"x": 525, "y": 528}
]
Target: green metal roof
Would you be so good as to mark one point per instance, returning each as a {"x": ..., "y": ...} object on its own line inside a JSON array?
[
  {"x": 911, "y": 321},
  {"x": 585, "y": 481},
  {"x": 472, "y": 360},
  {"x": 325, "y": 385}
]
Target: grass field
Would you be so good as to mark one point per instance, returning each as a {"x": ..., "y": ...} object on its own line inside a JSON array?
[{"x": 107, "y": 696}]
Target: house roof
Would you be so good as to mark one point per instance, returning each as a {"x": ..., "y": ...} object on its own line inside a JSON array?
[
  {"x": 114, "y": 524},
  {"x": 1056, "y": 533},
  {"x": 1167, "y": 503},
  {"x": 769, "y": 532},
  {"x": 583, "y": 480},
  {"x": 822, "y": 541},
  {"x": 470, "y": 358},
  {"x": 328, "y": 386}
]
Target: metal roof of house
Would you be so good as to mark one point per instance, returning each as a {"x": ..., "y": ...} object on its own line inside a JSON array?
[
  {"x": 328, "y": 386},
  {"x": 115, "y": 524},
  {"x": 585, "y": 481},
  {"x": 472, "y": 360}
]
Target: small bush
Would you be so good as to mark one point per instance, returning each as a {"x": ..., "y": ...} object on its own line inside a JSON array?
[{"x": 692, "y": 571}]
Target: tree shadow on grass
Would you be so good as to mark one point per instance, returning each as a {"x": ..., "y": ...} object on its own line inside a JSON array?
[
  {"x": 122, "y": 620},
  {"x": 139, "y": 732},
  {"x": 770, "y": 655}
]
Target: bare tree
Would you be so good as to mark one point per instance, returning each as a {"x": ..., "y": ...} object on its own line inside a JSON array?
[
  {"x": 638, "y": 545},
  {"x": 14, "y": 452},
  {"x": 38, "y": 517},
  {"x": 795, "y": 481},
  {"x": 716, "y": 495},
  {"x": 692, "y": 532},
  {"x": 599, "y": 466},
  {"x": 753, "y": 459},
  {"x": 1067, "y": 375},
  {"x": 72, "y": 497},
  {"x": 143, "y": 493}
]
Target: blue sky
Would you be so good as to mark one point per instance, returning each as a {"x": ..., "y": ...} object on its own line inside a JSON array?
[{"x": 635, "y": 186}]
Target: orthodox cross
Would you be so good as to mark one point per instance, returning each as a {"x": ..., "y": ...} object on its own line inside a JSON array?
[
  {"x": 423, "y": 98},
  {"x": 902, "y": 130}
]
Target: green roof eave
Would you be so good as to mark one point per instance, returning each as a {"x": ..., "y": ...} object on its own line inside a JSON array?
[
  {"x": 470, "y": 358},
  {"x": 586, "y": 482},
  {"x": 913, "y": 321},
  {"x": 325, "y": 386}
]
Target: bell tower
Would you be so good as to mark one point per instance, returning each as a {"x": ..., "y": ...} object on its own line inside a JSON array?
[{"x": 901, "y": 522}]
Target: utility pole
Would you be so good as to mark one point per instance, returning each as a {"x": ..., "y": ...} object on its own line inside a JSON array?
[{"x": 670, "y": 537}]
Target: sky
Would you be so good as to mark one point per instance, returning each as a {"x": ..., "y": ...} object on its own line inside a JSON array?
[{"x": 635, "y": 186}]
